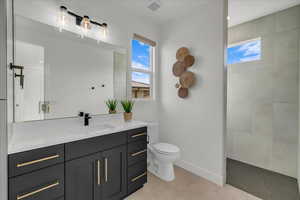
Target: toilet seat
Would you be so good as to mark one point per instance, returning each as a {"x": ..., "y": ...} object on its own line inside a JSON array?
[{"x": 165, "y": 148}]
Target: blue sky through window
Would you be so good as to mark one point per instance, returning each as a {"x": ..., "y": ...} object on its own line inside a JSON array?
[
  {"x": 140, "y": 56},
  {"x": 244, "y": 52},
  {"x": 140, "y": 59},
  {"x": 141, "y": 77}
]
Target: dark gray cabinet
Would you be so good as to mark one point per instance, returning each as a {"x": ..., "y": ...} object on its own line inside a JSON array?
[
  {"x": 44, "y": 184},
  {"x": 108, "y": 167},
  {"x": 137, "y": 159},
  {"x": 28, "y": 161},
  {"x": 115, "y": 165},
  {"x": 83, "y": 178},
  {"x": 101, "y": 176}
]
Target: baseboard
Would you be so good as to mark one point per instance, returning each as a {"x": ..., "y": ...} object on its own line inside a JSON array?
[{"x": 219, "y": 180}]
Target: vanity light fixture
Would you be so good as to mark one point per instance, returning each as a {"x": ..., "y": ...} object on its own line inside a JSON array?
[
  {"x": 62, "y": 18},
  {"x": 85, "y": 23}
]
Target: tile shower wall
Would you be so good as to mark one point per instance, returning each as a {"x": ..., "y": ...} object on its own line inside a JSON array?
[{"x": 263, "y": 95}]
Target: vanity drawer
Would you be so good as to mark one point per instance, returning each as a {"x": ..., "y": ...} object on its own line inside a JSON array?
[
  {"x": 93, "y": 145},
  {"x": 136, "y": 172},
  {"x": 44, "y": 184},
  {"x": 137, "y": 152},
  {"x": 28, "y": 161},
  {"x": 137, "y": 134},
  {"x": 137, "y": 176}
]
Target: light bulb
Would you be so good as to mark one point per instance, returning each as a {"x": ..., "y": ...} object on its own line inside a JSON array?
[
  {"x": 104, "y": 30},
  {"x": 85, "y": 25},
  {"x": 62, "y": 18}
]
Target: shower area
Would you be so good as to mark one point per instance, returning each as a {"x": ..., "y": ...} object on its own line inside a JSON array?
[{"x": 263, "y": 105}]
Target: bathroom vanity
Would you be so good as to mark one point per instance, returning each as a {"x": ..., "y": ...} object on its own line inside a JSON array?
[{"x": 107, "y": 164}]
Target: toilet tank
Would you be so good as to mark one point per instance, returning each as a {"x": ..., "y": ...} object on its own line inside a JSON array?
[{"x": 153, "y": 132}]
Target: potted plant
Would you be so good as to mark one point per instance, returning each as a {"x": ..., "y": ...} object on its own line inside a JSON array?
[
  {"x": 127, "y": 106},
  {"x": 112, "y": 105}
]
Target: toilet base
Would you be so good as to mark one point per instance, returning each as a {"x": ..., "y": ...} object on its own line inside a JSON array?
[{"x": 164, "y": 171}]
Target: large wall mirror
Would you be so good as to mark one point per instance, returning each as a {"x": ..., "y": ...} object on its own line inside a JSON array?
[{"x": 63, "y": 73}]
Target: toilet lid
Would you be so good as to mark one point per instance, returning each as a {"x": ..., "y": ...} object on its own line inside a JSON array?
[{"x": 166, "y": 148}]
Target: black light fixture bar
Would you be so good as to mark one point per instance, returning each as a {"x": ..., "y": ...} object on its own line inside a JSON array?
[{"x": 79, "y": 18}]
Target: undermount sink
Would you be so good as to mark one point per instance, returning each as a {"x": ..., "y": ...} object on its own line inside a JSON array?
[
  {"x": 92, "y": 129},
  {"x": 99, "y": 128}
]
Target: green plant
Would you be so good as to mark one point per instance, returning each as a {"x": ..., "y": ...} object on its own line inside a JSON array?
[
  {"x": 112, "y": 104},
  {"x": 127, "y": 105}
]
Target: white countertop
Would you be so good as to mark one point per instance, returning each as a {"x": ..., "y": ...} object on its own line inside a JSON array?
[{"x": 32, "y": 135}]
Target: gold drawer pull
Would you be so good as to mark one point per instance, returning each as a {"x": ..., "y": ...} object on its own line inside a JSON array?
[
  {"x": 106, "y": 168},
  {"x": 138, "y": 135},
  {"x": 138, "y": 153},
  {"x": 98, "y": 172},
  {"x": 19, "y": 197},
  {"x": 138, "y": 177},
  {"x": 37, "y": 161}
]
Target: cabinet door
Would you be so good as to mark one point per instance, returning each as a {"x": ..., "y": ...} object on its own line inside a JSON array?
[
  {"x": 83, "y": 178},
  {"x": 115, "y": 162}
]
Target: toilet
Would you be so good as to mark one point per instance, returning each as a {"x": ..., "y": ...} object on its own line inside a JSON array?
[{"x": 161, "y": 156}]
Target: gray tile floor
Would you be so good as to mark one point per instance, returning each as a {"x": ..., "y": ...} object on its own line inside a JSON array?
[{"x": 262, "y": 183}]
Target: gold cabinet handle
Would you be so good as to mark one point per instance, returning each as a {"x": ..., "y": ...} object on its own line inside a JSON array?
[
  {"x": 37, "y": 161},
  {"x": 138, "y": 153},
  {"x": 106, "y": 168},
  {"x": 138, "y": 135},
  {"x": 98, "y": 172},
  {"x": 19, "y": 197},
  {"x": 138, "y": 177}
]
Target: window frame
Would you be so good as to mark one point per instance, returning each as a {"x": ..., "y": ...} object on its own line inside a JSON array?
[
  {"x": 243, "y": 42},
  {"x": 151, "y": 73}
]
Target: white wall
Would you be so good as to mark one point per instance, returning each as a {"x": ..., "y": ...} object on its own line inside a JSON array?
[
  {"x": 3, "y": 45},
  {"x": 196, "y": 124},
  {"x": 299, "y": 128},
  {"x": 3, "y": 102}
]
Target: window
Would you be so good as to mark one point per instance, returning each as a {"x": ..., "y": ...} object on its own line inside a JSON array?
[
  {"x": 142, "y": 68},
  {"x": 246, "y": 51}
]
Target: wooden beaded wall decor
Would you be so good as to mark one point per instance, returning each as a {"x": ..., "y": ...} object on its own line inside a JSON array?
[{"x": 180, "y": 69}]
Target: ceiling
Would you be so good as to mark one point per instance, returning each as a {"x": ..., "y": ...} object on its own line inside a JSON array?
[
  {"x": 169, "y": 10},
  {"x": 241, "y": 11}
]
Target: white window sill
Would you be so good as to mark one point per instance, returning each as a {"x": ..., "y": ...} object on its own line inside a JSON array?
[{"x": 144, "y": 100}]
